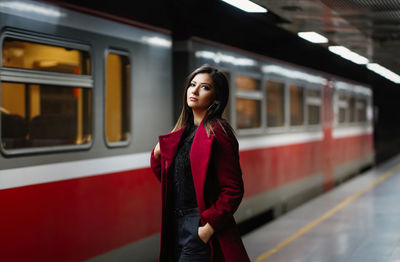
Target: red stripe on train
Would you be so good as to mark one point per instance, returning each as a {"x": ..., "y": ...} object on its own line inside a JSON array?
[
  {"x": 269, "y": 168},
  {"x": 266, "y": 169},
  {"x": 77, "y": 219}
]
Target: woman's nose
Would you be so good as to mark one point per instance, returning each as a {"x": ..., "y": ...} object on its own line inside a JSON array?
[{"x": 195, "y": 90}]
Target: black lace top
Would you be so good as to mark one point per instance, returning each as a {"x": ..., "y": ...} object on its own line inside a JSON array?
[{"x": 184, "y": 195}]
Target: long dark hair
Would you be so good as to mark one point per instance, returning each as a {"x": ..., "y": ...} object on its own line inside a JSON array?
[{"x": 214, "y": 112}]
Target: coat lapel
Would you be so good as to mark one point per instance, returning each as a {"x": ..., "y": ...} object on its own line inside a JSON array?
[
  {"x": 200, "y": 154},
  {"x": 169, "y": 146}
]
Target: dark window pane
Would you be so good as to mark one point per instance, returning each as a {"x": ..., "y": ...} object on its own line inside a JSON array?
[
  {"x": 342, "y": 115},
  {"x": 361, "y": 110},
  {"x": 314, "y": 109},
  {"x": 352, "y": 109},
  {"x": 343, "y": 107},
  {"x": 275, "y": 104},
  {"x": 314, "y": 117},
  {"x": 314, "y": 93}
]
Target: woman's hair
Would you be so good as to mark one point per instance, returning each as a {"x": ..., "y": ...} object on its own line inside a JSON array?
[{"x": 214, "y": 112}]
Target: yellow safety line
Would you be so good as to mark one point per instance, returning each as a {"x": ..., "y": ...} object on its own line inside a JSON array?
[{"x": 325, "y": 216}]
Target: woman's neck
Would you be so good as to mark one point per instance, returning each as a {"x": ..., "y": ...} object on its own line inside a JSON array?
[{"x": 198, "y": 116}]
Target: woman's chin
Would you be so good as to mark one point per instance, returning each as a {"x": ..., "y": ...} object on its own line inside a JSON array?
[
  {"x": 195, "y": 106},
  {"x": 191, "y": 104}
]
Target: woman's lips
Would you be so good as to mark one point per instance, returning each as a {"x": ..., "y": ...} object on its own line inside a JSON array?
[{"x": 193, "y": 99}]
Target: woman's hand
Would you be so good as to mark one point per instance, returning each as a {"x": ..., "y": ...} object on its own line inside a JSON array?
[
  {"x": 205, "y": 232},
  {"x": 157, "y": 151}
]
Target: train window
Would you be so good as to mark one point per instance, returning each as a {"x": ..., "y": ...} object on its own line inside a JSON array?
[
  {"x": 46, "y": 94},
  {"x": 117, "y": 98},
  {"x": 314, "y": 106},
  {"x": 361, "y": 106},
  {"x": 44, "y": 115},
  {"x": 352, "y": 109},
  {"x": 275, "y": 103},
  {"x": 248, "y": 102},
  {"x": 296, "y": 105},
  {"x": 246, "y": 83},
  {"x": 29, "y": 55},
  {"x": 342, "y": 104},
  {"x": 248, "y": 113}
]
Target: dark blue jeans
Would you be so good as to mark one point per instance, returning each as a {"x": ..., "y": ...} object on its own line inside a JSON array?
[{"x": 188, "y": 247}]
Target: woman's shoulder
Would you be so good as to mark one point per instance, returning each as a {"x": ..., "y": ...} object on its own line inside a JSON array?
[{"x": 223, "y": 131}]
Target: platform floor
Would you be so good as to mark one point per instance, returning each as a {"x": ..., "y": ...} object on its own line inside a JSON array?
[{"x": 356, "y": 221}]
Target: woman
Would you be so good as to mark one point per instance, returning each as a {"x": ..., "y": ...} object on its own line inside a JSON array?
[{"x": 198, "y": 166}]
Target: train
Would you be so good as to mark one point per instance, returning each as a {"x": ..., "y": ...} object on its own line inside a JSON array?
[{"x": 83, "y": 99}]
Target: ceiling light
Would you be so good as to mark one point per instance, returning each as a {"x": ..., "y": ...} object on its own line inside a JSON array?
[
  {"x": 313, "y": 37},
  {"x": 348, "y": 54},
  {"x": 247, "y": 6},
  {"x": 384, "y": 72}
]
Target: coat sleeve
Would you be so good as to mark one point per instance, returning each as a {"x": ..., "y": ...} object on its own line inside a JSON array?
[
  {"x": 229, "y": 179},
  {"x": 155, "y": 164}
]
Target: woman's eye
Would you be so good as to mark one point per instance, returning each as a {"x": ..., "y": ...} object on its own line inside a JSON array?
[{"x": 205, "y": 87}]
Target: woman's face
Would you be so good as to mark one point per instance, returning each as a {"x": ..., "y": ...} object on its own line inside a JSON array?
[{"x": 201, "y": 92}]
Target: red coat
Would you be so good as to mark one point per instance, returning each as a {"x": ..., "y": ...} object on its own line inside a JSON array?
[{"x": 218, "y": 184}]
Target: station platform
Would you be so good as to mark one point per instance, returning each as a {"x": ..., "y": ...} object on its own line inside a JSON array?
[{"x": 356, "y": 221}]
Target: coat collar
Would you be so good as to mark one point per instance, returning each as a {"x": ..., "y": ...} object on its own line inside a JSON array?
[{"x": 169, "y": 142}]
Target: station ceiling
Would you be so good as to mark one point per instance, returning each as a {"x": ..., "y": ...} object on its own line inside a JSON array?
[{"x": 370, "y": 28}]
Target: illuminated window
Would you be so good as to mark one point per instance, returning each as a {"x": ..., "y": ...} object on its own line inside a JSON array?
[
  {"x": 275, "y": 104},
  {"x": 248, "y": 113},
  {"x": 117, "y": 98},
  {"x": 41, "y": 110},
  {"x": 246, "y": 83},
  {"x": 314, "y": 106},
  {"x": 44, "y": 115},
  {"x": 36, "y": 56},
  {"x": 248, "y": 102},
  {"x": 296, "y": 105}
]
